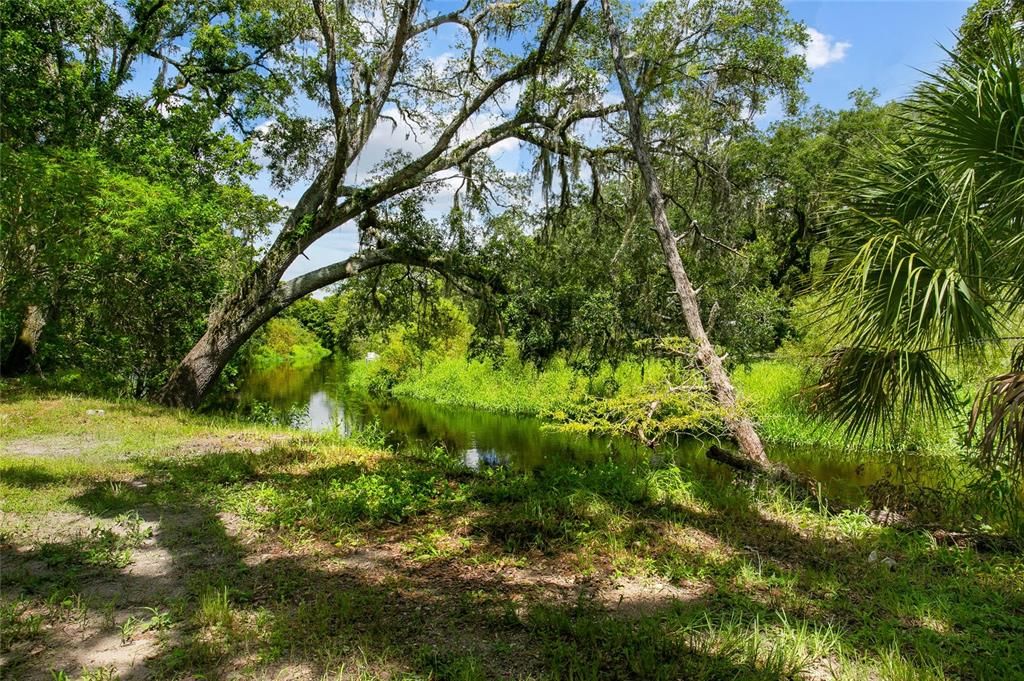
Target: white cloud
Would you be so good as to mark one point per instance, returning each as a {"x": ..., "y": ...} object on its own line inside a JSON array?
[
  {"x": 822, "y": 50},
  {"x": 395, "y": 133},
  {"x": 165, "y": 107}
]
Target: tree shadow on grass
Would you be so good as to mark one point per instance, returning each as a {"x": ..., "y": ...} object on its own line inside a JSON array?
[
  {"x": 270, "y": 603},
  {"x": 28, "y": 476}
]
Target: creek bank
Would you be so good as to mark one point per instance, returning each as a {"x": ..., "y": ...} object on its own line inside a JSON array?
[
  {"x": 311, "y": 553},
  {"x": 330, "y": 397}
]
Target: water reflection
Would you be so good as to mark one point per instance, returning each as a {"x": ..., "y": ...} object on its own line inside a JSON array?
[
  {"x": 476, "y": 458},
  {"x": 321, "y": 399}
]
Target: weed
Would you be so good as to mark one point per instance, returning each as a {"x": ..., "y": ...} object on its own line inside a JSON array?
[
  {"x": 128, "y": 628},
  {"x": 214, "y": 608},
  {"x": 17, "y": 624},
  {"x": 99, "y": 674},
  {"x": 157, "y": 621},
  {"x": 372, "y": 436},
  {"x": 109, "y": 612},
  {"x": 108, "y": 547}
]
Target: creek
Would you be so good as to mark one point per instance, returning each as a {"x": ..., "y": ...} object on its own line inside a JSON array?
[{"x": 318, "y": 398}]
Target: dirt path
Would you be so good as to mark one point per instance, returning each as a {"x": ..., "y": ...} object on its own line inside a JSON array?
[{"x": 116, "y": 588}]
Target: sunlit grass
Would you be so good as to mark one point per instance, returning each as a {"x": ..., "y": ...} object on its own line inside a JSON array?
[
  {"x": 771, "y": 391},
  {"x": 779, "y": 589}
]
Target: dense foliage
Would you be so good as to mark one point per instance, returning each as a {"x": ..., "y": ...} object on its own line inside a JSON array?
[
  {"x": 124, "y": 215},
  {"x": 682, "y": 279},
  {"x": 875, "y": 248},
  {"x": 927, "y": 277}
]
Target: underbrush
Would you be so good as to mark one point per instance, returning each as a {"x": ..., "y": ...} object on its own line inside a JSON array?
[
  {"x": 509, "y": 387},
  {"x": 346, "y": 558},
  {"x": 617, "y": 399},
  {"x": 285, "y": 341}
]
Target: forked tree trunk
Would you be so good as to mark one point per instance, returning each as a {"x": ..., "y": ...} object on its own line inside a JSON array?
[
  {"x": 740, "y": 427},
  {"x": 255, "y": 303}
]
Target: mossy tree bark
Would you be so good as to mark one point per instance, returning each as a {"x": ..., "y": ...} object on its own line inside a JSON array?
[
  {"x": 740, "y": 427},
  {"x": 327, "y": 204}
]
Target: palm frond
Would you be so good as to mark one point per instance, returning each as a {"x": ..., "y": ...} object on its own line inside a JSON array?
[
  {"x": 927, "y": 253},
  {"x": 871, "y": 391},
  {"x": 998, "y": 415},
  {"x": 893, "y": 292},
  {"x": 969, "y": 120},
  {"x": 971, "y": 115}
]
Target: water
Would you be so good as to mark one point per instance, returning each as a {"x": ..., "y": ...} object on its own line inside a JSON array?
[{"x": 317, "y": 398}]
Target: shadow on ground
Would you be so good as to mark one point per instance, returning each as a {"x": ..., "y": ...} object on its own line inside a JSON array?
[{"x": 280, "y": 565}]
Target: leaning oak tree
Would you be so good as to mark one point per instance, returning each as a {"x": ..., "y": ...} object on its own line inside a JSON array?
[
  {"x": 359, "y": 68},
  {"x": 695, "y": 73}
]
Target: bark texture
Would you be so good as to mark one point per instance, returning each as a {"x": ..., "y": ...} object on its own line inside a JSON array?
[
  {"x": 22, "y": 355},
  {"x": 327, "y": 204},
  {"x": 740, "y": 427}
]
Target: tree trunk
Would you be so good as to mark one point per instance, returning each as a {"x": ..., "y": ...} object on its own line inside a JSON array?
[
  {"x": 257, "y": 301},
  {"x": 326, "y": 205},
  {"x": 196, "y": 374},
  {"x": 232, "y": 322},
  {"x": 23, "y": 352},
  {"x": 740, "y": 427}
]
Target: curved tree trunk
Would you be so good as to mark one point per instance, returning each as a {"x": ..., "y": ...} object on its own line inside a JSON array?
[
  {"x": 199, "y": 370},
  {"x": 327, "y": 204},
  {"x": 240, "y": 316},
  {"x": 740, "y": 427},
  {"x": 232, "y": 322}
]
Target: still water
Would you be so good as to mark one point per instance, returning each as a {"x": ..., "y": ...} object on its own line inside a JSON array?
[{"x": 317, "y": 398}]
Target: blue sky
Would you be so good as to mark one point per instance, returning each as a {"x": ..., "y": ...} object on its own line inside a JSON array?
[
  {"x": 882, "y": 45},
  {"x": 854, "y": 44}
]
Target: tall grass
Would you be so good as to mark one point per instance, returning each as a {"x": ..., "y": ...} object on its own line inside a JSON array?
[
  {"x": 771, "y": 391},
  {"x": 512, "y": 387}
]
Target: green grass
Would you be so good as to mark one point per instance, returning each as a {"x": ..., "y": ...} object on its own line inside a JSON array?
[
  {"x": 512, "y": 388},
  {"x": 771, "y": 391},
  {"x": 57, "y": 445},
  {"x": 285, "y": 341},
  {"x": 353, "y": 562}
]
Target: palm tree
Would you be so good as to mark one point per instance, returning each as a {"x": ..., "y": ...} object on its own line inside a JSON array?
[{"x": 927, "y": 257}]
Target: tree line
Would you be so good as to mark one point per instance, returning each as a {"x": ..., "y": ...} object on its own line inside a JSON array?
[{"x": 135, "y": 250}]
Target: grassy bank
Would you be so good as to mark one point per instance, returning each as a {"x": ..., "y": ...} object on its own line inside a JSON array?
[
  {"x": 285, "y": 341},
  {"x": 193, "y": 548},
  {"x": 769, "y": 390},
  {"x": 515, "y": 387}
]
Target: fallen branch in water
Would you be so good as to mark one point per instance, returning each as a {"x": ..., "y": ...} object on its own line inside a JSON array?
[
  {"x": 776, "y": 472},
  {"x": 808, "y": 490},
  {"x": 979, "y": 541}
]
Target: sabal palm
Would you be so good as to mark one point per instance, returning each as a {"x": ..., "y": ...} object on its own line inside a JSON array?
[{"x": 927, "y": 252}]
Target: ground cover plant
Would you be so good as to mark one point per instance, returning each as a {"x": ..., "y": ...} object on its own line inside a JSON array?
[
  {"x": 544, "y": 339},
  {"x": 141, "y": 540}
]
